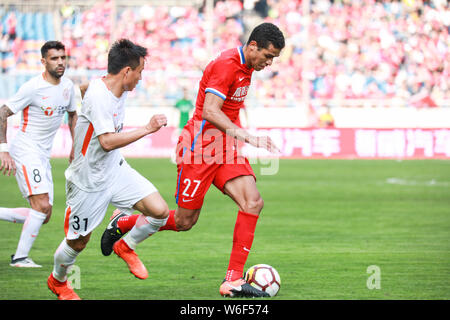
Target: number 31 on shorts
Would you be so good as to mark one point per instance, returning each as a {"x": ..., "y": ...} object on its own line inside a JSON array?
[{"x": 195, "y": 184}]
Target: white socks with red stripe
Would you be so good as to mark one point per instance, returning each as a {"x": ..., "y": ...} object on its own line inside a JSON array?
[
  {"x": 144, "y": 228},
  {"x": 64, "y": 257},
  {"x": 16, "y": 215},
  {"x": 30, "y": 230}
]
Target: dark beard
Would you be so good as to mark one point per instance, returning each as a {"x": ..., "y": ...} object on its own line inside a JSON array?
[{"x": 54, "y": 74}]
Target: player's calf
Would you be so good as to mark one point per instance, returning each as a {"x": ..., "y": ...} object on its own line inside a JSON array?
[{"x": 41, "y": 203}]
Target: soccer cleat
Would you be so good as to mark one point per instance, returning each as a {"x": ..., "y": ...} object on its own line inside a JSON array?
[
  {"x": 240, "y": 289},
  {"x": 62, "y": 290},
  {"x": 24, "y": 262},
  {"x": 111, "y": 234},
  {"x": 132, "y": 260}
]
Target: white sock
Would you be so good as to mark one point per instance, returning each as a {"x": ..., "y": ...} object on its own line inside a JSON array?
[
  {"x": 64, "y": 257},
  {"x": 16, "y": 215},
  {"x": 144, "y": 228},
  {"x": 29, "y": 233}
]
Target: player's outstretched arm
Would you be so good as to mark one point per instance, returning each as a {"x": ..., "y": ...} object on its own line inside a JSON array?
[
  {"x": 7, "y": 164},
  {"x": 114, "y": 140},
  {"x": 212, "y": 112}
]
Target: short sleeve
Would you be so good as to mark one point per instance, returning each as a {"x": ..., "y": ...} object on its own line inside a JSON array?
[
  {"x": 98, "y": 112},
  {"x": 73, "y": 101},
  {"x": 221, "y": 78},
  {"x": 23, "y": 97}
]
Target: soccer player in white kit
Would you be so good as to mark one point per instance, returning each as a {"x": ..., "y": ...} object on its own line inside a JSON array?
[
  {"x": 43, "y": 100},
  {"x": 99, "y": 175}
]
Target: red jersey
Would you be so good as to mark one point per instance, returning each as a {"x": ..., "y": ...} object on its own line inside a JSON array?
[
  {"x": 228, "y": 77},
  {"x": 206, "y": 155}
]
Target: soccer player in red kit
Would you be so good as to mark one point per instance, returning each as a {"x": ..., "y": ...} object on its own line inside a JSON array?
[{"x": 206, "y": 154}]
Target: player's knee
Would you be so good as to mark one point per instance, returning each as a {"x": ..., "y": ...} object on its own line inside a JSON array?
[
  {"x": 47, "y": 219},
  {"x": 254, "y": 205},
  {"x": 185, "y": 219},
  {"x": 78, "y": 244},
  {"x": 186, "y": 223},
  {"x": 45, "y": 208},
  {"x": 161, "y": 211}
]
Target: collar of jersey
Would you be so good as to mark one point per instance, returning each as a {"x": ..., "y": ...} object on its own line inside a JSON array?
[{"x": 241, "y": 55}]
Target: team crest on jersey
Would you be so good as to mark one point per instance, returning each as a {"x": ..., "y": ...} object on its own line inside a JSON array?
[
  {"x": 66, "y": 94},
  {"x": 240, "y": 94}
]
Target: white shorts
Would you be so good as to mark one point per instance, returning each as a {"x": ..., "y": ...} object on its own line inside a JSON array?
[
  {"x": 86, "y": 210},
  {"x": 34, "y": 175}
]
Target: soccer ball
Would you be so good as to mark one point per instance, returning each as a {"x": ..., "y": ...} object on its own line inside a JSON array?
[{"x": 264, "y": 277}]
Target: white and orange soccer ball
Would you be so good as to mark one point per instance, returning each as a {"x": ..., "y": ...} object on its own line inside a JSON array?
[{"x": 264, "y": 277}]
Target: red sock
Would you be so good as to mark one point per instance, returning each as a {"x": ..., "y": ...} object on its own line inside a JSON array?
[
  {"x": 127, "y": 223},
  {"x": 170, "y": 224},
  {"x": 244, "y": 232}
]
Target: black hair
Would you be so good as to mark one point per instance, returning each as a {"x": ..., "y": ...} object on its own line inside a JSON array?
[
  {"x": 51, "y": 45},
  {"x": 266, "y": 34},
  {"x": 124, "y": 53}
]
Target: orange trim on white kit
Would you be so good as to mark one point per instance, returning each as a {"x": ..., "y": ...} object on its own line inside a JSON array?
[
  {"x": 87, "y": 139},
  {"x": 66, "y": 220},
  {"x": 25, "y": 118},
  {"x": 26, "y": 179}
]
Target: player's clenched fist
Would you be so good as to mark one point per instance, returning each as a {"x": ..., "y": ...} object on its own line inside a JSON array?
[{"x": 156, "y": 122}]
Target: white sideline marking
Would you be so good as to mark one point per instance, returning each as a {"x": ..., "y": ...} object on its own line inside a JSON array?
[{"x": 406, "y": 182}]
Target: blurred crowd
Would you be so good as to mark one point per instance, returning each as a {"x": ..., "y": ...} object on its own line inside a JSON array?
[
  {"x": 369, "y": 49},
  {"x": 360, "y": 49}
]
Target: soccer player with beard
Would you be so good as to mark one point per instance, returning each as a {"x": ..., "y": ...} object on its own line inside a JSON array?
[{"x": 43, "y": 100}]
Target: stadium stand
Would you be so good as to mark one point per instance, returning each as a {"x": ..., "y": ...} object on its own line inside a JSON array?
[{"x": 348, "y": 53}]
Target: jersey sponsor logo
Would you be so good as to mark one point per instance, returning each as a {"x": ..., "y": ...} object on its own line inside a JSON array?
[
  {"x": 49, "y": 111},
  {"x": 240, "y": 94}
]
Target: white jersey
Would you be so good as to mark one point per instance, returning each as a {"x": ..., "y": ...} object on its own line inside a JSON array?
[
  {"x": 43, "y": 106},
  {"x": 93, "y": 169}
]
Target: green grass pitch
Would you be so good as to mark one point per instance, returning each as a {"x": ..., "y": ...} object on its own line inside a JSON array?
[{"x": 324, "y": 223}]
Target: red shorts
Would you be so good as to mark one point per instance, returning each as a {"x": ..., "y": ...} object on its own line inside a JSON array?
[{"x": 194, "y": 180}]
